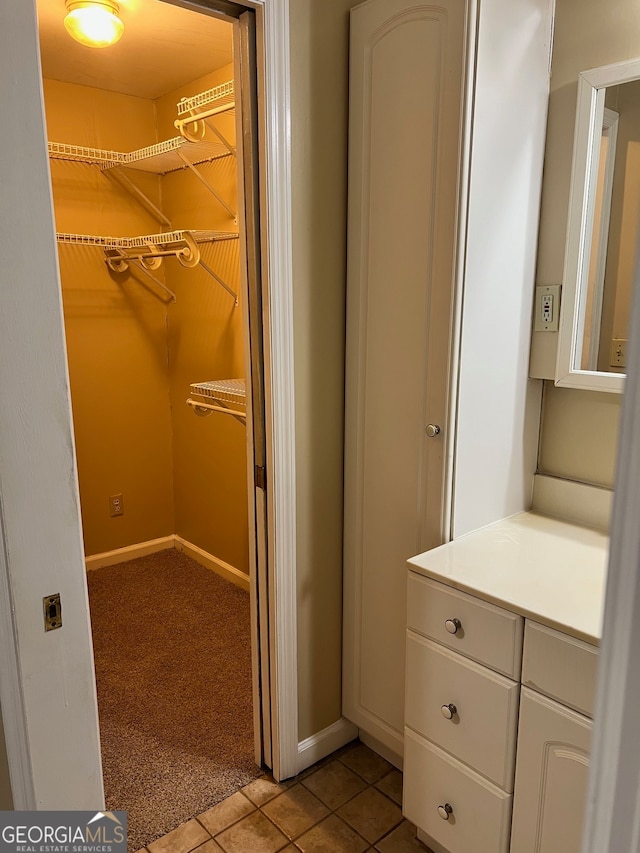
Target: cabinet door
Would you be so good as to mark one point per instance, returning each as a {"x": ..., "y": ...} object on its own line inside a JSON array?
[
  {"x": 552, "y": 770},
  {"x": 406, "y": 69}
]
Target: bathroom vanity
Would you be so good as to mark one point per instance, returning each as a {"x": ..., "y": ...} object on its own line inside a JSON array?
[{"x": 502, "y": 653}]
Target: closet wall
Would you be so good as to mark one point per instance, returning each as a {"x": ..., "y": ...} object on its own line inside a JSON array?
[
  {"x": 115, "y": 328},
  {"x": 132, "y": 353},
  {"x": 205, "y": 341}
]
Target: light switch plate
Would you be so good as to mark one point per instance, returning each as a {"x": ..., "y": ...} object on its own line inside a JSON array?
[{"x": 547, "y": 308}]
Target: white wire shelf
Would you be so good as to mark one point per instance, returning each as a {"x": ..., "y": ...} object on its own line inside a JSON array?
[
  {"x": 161, "y": 240},
  {"x": 222, "y": 95},
  {"x": 80, "y": 154},
  {"x": 224, "y": 390},
  {"x": 227, "y": 396},
  {"x": 159, "y": 159}
]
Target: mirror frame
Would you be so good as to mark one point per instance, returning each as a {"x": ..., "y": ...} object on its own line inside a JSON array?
[{"x": 584, "y": 176}]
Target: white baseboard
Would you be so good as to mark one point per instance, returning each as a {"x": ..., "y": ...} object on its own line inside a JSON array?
[
  {"x": 225, "y": 570},
  {"x": 141, "y": 549},
  {"x": 130, "y": 552},
  {"x": 323, "y": 743}
]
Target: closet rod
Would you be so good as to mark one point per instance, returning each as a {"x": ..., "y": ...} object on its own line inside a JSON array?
[
  {"x": 181, "y": 123},
  {"x": 197, "y": 406}
]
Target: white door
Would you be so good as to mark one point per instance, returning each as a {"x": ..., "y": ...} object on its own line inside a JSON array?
[
  {"x": 406, "y": 92},
  {"x": 47, "y": 684},
  {"x": 552, "y": 773}
]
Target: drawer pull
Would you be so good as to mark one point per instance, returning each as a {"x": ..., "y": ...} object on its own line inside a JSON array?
[
  {"x": 445, "y": 811},
  {"x": 448, "y": 711},
  {"x": 453, "y": 625}
]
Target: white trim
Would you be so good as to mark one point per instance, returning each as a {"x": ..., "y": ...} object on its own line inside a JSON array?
[
  {"x": 584, "y": 174},
  {"x": 578, "y": 502},
  {"x": 323, "y": 743},
  {"x": 166, "y": 543},
  {"x": 610, "y": 130},
  {"x": 129, "y": 552},
  {"x": 224, "y": 570},
  {"x": 273, "y": 23},
  {"x": 279, "y": 377},
  {"x": 613, "y": 807}
]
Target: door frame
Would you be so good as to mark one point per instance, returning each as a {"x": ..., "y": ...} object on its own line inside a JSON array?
[
  {"x": 612, "y": 819},
  {"x": 47, "y": 682}
]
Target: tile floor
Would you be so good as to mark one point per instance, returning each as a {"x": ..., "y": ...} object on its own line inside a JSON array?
[{"x": 348, "y": 803}]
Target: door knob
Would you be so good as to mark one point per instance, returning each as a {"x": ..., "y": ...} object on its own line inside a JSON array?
[
  {"x": 453, "y": 625},
  {"x": 448, "y": 711},
  {"x": 445, "y": 811},
  {"x": 433, "y": 430}
]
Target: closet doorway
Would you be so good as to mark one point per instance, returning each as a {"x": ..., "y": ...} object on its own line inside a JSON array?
[{"x": 153, "y": 157}]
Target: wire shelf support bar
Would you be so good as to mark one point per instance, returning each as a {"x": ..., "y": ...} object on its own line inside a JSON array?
[
  {"x": 156, "y": 281},
  {"x": 220, "y": 281},
  {"x": 142, "y": 198},
  {"x": 204, "y": 181}
]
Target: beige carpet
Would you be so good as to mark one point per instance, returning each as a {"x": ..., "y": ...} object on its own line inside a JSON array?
[{"x": 173, "y": 668}]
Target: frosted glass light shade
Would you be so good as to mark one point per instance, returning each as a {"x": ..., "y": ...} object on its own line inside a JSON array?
[{"x": 94, "y": 23}]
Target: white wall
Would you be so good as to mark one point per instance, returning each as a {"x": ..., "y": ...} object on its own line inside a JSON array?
[{"x": 499, "y": 407}]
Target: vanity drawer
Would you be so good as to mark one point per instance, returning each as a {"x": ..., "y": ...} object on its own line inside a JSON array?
[
  {"x": 486, "y": 633},
  {"x": 481, "y": 815},
  {"x": 482, "y": 730},
  {"x": 560, "y": 667}
]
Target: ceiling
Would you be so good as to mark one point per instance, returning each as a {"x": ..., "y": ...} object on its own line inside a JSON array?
[{"x": 162, "y": 48}]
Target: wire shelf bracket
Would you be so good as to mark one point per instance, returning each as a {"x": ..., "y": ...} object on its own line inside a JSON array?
[{"x": 195, "y": 118}]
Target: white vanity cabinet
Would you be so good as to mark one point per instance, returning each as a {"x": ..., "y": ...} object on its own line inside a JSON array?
[
  {"x": 461, "y": 715},
  {"x": 551, "y": 777},
  {"x": 498, "y": 705},
  {"x": 553, "y": 742}
]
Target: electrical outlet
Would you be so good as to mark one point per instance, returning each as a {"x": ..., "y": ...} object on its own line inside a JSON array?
[
  {"x": 618, "y": 355},
  {"x": 547, "y": 308},
  {"x": 116, "y": 505}
]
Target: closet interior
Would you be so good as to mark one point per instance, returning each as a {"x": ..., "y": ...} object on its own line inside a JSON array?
[{"x": 145, "y": 188}]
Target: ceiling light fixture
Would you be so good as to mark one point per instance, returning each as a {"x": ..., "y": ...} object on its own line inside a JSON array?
[{"x": 94, "y": 23}]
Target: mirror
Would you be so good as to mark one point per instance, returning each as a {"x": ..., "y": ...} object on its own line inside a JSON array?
[{"x": 603, "y": 229}]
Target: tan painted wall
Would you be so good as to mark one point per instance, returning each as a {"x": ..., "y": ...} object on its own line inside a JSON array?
[
  {"x": 578, "y": 435},
  {"x": 319, "y": 161},
  {"x": 205, "y": 339},
  {"x": 6, "y": 799},
  {"x": 115, "y": 328},
  {"x": 588, "y": 33}
]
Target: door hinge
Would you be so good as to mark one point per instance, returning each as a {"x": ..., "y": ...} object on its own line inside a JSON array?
[{"x": 260, "y": 477}]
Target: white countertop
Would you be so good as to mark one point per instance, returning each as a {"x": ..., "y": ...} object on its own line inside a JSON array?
[{"x": 547, "y": 570}]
